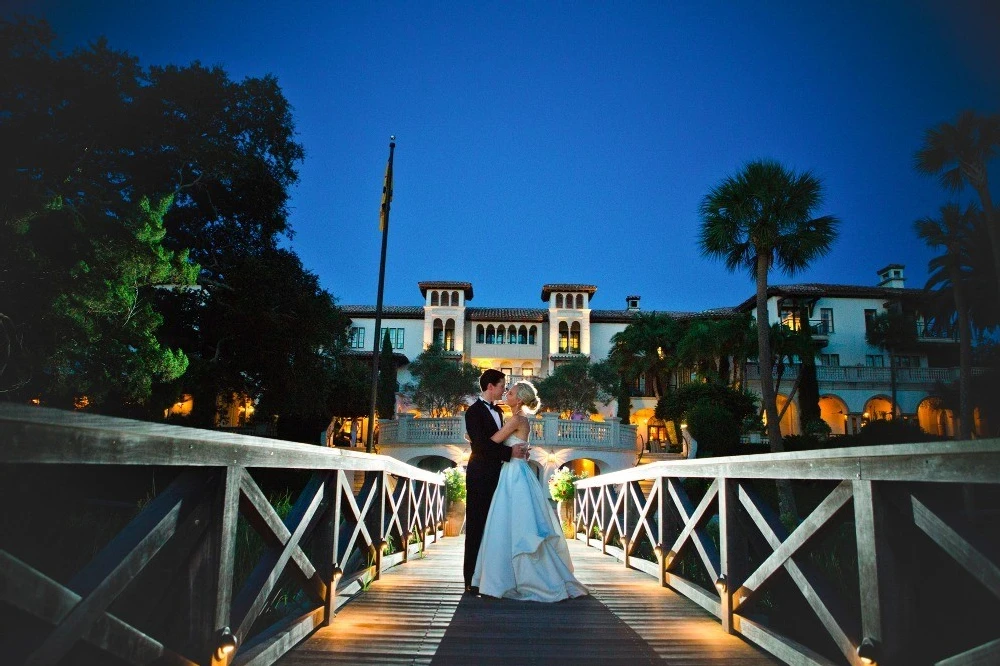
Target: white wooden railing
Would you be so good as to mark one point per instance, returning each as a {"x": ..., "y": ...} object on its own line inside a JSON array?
[{"x": 895, "y": 558}]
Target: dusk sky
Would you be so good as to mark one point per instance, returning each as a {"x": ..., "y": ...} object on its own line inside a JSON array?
[{"x": 572, "y": 142}]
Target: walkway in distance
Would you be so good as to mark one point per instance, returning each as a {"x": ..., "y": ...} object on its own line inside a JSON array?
[{"x": 417, "y": 614}]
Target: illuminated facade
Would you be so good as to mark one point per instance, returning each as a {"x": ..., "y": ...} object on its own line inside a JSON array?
[{"x": 531, "y": 342}]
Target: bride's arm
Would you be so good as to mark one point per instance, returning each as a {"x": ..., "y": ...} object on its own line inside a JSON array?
[{"x": 506, "y": 431}]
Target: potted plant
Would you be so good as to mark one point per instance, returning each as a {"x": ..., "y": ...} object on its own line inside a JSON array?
[
  {"x": 562, "y": 490},
  {"x": 454, "y": 490}
]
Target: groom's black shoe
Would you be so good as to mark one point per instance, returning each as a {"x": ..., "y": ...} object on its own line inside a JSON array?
[{"x": 471, "y": 589}]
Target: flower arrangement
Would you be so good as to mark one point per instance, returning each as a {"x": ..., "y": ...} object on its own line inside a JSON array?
[
  {"x": 454, "y": 484},
  {"x": 561, "y": 486}
]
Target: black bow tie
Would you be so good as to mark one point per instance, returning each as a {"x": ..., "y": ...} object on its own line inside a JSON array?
[{"x": 490, "y": 405}]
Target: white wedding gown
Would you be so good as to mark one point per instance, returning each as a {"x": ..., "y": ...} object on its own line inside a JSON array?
[{"x": 524, "y": 554}]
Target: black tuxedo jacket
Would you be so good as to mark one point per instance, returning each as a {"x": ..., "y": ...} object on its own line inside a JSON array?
[{"x": 487, "y": 455}]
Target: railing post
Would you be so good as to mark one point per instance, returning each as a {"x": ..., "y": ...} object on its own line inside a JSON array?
[
  {"x": 403, "y": 429},
  {"x": 614, "y": 431},
  {"x": 733, "y": 552},
  {"x": 327, "y": 545},
  {"x": 550, "y": 428},
  {"x": 885, "y": 596},
  {"x": 659, "y": 548},
  {"x": 381, "y": 543}
]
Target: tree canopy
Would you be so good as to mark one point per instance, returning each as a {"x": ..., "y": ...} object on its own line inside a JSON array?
[
  {"x": 89, "y": 136},
  {"x": 442, "y": 383}
]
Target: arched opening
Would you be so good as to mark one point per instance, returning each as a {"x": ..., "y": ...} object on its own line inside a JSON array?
[
  {"x": 579, "y": 301},
  {"x": 454, "y": 298},
  {"x": 438, "y": 332},
  {"x": 559, "y": 300},
  {"x": 480, "y": 334},
  {"x": 532, "y": 335},
  {"x": 501, "y": 334},
  {"x": 512, "y": 334},
  {"x": 522, "y": 335},
  {"x": 834, "y": 411},
  {"x": 433, "y": 463},
  {"x": 789, "y": 422},
  {"x": 563, "y": 337},
  {"x": 574, "y": 338},
  {"x": 581, "y": 466},
  {"x": 434, "y": 298},
  {"x": 527, "y": 370},
  {"x": 449, "y": 335},
  {"x": 878, "y": 408},
  {"x": 491, "y": 335},
  {"x": 935, "y": 420},
  {"x": 445, "y": 298}
]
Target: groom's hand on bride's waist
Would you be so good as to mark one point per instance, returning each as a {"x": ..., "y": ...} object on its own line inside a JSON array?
[{"x": 520, "y": 451}]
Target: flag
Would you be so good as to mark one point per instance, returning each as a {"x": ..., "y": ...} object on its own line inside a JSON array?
[{"x": 383, "y": 216}]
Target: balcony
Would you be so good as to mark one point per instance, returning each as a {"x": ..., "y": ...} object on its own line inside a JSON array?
[
  {"x": 928, "y": 333},
  {"x": 547, "y": 431},
  {"x": 863, "y": 374}
]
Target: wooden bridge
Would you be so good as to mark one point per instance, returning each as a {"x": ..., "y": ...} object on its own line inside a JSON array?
[{"x": 125, "y": 542}]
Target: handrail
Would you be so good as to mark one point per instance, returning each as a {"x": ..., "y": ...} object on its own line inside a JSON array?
[
  {"x": 333, "y": 539},
  {"x": 896, "y": 494}
]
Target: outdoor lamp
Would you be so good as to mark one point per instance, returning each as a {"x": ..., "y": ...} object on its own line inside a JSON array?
[
  {"x": 658, "y": 549},
  {"x": 720, "y": 584},
  {"x": 867, "y": 651},
  {"x": 227, "y": 644}
]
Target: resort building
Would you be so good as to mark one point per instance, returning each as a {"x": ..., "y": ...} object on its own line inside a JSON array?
[{"x": 853, "y": 377}]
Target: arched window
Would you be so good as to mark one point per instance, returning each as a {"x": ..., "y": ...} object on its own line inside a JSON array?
[
  {"x": 445, "y": 299},
  {"x": 559, "y": 300},
  {"x": 454, "y": 298},
  {"x": 532, "y": 335},
  {"x": 522, "y": 335},
  {"x": 579, "y": 301},
  {"x": 449, "y": 335},
  {"x": 434, "y": 298},
  {"x": 574, "y": 338},
  {"x": 480, "y": 334},
  {"x": 490, "y": 335},
  {"x": 563, "y": 337},
  {"x": 501, "y": 334},
  {"x": 527, "y": 370},
  {"x": 512, "y": 334},
  {"x": 438, "y": 332}
]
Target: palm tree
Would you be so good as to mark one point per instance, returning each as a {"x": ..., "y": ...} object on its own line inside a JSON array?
[
  {"x": 953, "y": 232},
  {"x": 960, "y": 154},
  {"x": 646, "y": 347},
  {"x": 892, "y": 331},
  {"x": 759, "y": 219}
]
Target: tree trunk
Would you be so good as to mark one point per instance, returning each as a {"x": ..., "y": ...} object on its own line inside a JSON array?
[
  {"x": 786, "y": 498},
  {"x": 892, "y": 384},
  {"x": 992, "y": 226},
  {"x": 964, "y": 355}
]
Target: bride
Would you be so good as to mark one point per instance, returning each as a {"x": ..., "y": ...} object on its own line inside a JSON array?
[{"x": 523, "y": 554}]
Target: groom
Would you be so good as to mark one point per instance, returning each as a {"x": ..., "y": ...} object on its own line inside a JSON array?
[{"x": 482, "y": 420}]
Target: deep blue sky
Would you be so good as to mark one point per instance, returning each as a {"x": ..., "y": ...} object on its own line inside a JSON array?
[{"x": 572, "y": 142}]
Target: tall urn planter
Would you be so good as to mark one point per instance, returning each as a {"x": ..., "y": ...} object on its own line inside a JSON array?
[
  {"x": 454, "y": 489},
  {"x": 455, "y": 518}
]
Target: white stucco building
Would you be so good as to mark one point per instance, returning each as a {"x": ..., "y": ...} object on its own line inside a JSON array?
[{"x": 530, "y": 342}]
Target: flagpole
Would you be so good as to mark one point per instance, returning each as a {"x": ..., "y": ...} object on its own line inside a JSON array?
[{"x": 384, "y": 223}]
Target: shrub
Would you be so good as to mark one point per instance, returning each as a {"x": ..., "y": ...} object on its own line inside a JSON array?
[
  {"x": 715, "y": 429},
  {"x": 454, "y": 484},
  {"x": 561, "y": 486}
]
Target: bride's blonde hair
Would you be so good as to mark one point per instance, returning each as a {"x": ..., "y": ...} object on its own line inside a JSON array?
[{"x": 528, "y": 395}]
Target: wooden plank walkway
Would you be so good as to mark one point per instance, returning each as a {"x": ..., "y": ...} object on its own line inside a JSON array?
[{"x": 417, "y": 614}]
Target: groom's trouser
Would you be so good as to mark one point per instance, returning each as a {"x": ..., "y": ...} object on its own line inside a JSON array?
[{"x": 480, "y": 486}]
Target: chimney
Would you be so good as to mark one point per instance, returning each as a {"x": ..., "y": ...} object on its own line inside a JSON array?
[
  {"x": 632, "y": 302},
  {"x": 892, "y": 276}
]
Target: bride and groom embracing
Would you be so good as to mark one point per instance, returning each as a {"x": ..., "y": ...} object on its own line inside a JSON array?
[{"x": 514, "y": 545}]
